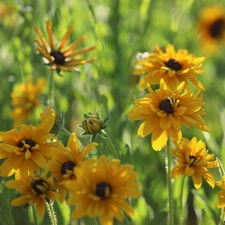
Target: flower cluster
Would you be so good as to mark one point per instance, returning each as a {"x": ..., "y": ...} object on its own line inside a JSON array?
[
  {"x": 46, "y": 170},
  {"x": 169, "y": 103}
]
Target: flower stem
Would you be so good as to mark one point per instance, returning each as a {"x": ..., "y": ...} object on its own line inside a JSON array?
[
  {"x": 112, "y": 147},
  {"x": 51, "y": 213},
  {"x": 222, "y": 217},
  {"x": 169, "y": 183},
  {"x": 181, "y": 202},
  {"x": 34, "y": 215},
  {"x": 51, "y": 91}
]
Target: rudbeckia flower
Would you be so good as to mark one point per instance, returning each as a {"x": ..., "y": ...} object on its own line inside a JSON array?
[
  {"x": 101, "y": 189},
  {"x": 164, "y": 111},
  {"x": 212, "y": 28},
  {"x": 25, "y": 100},
  {"x": 64, "y": 161},
  {"x": 61, "y": 58},
  {"x": 94, "y": 125},
  {"x": 221, "y": 194},
  {"x": 36, "y": 190},
  {"x": 26, "y": 150},
  {"x": 193, "y": 160},
  {"x": 173, "y": 66}
]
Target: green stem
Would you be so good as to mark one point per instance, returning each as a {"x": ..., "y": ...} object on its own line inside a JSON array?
[
  {"x": 34, "y": 215},
  {"x": 222, "y": 217},
  {"x": 51, "y": 91},
  {"x": 51, "y": 213},
  {"x": 95, "y": 221},
  {"x": 112, "y": 147},
  {"x": 169, "y": 182},
  {"x": 181, "y": 202}
]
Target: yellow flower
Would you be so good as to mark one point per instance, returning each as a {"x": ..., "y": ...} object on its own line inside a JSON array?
[
  {"x": 59, "y": 119},
  {"x": 26, "y": 150},
  {"x": 25, "y": 100},
  {"x": 193, "y": 160},
  {"x": 59, "y": 59},
  {"x": 164, "y": 112},
  {"x": 174, "y": 67},
  {"x": 212, "y": 28},
  {"x": 65, "y": 159},
  {"x": 36, "y": 190},
  {"x": 221, "y": 194},
  {"x": 100, "y": 190}
]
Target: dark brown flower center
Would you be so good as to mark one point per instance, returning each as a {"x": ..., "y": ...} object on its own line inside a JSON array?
[
  {"x": 67, "y": 166},
  {"x": 40, "y": 186},
  {"x": 103, "y": 190},
  {"x": 58, "y": 57},
  {"x": 192, "y": 157},
  {"x": 217, "y": 28},
  {"x": 25, "y": 143},
  {"x": 173, "y": 65},
  {"x": 166, "y": 106}
]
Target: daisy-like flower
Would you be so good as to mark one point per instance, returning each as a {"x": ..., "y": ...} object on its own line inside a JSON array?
[
  {"x": 25, "y": 100},
  {"x": 212, "y": 28},
  {"x": 26, "y": 150},
  {"x": 193, "y": 160},
  {"x": 64, "y": 161},
  {"x": 174, "y": 67},
  {"x": 164, "y": 112},
  {"x": 101, "y": 189},
  {"x": 221, "y": 194},
  {"x": 35, "y": 189},
  {"x": 59, "y": 59}
]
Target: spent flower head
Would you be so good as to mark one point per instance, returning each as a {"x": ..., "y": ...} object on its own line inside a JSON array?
[
  {"x": 94, "y": 125},
  {"x": 36, "y": 190},
  {"x": 164, "y": 111},
  {"x": 193, "y": 160},
  {"x": 61, "y": 58},
  {"x": 101, "y": 189}
]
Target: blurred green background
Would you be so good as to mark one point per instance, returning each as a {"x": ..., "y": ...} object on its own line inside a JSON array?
[{"x": 120, "y": 29}]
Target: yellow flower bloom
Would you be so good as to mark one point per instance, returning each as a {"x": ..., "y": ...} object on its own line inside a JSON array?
[
  {"x": 164, "y": 112},
  {"x": 193, "y": 160},
  {"x": 212, "y": 28},
  {"x": 221, "y": 194},
  {"x": 174, "y": 67},
  {"x": 59, "y": 59},
  {"x": 25, "y": 100},
  {"x": 100, "y": 190},
  {"x": 65, "y": 159},
  {"x": 36, "y": 190},
  {"x": 26, "y": 150}
]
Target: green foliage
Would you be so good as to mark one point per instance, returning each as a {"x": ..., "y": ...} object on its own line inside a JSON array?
[{"x": 119, "y": 29}]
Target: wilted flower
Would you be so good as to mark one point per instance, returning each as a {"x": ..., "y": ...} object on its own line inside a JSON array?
[{"x": 59, "y": 59}]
